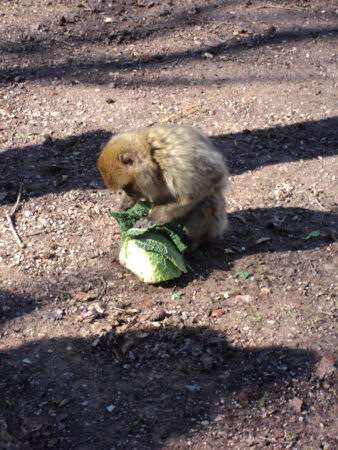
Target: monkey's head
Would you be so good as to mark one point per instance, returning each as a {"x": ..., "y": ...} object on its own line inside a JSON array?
[{"x": 118, "y": 163}]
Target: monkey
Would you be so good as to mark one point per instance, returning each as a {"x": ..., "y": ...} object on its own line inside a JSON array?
[{"x": 175, "y": 167}]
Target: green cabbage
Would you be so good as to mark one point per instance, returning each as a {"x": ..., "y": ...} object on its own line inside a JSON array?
[{"x": 155, "y": 253}]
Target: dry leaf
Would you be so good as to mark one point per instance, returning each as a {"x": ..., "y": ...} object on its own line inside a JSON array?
[
  {"x": 296, "y": 404},
  {"x": 218, "y": 313},
  {"x": 325, "y": 367},
  {"x": 84, "y": 296},
  {"x": 261, "y": 240}
]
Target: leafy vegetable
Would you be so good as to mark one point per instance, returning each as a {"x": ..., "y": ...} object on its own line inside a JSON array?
[
  {"x": 177, "y": 295},
  {"x": 244, "y": 275},
  {"x": 155, "y": 253},
  {"x": 312, "y": 235}
]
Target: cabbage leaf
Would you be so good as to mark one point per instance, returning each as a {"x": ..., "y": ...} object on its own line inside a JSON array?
[{"x": 155, "y": 253}]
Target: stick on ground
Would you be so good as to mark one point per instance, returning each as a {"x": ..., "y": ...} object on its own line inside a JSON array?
[{"x": 10, "y": 221}]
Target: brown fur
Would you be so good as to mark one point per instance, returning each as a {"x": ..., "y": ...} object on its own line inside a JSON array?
[{"x": 175, "y": 167}]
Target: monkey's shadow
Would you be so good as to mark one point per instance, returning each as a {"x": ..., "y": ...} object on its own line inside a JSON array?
[{"x": 260, "y": 231}]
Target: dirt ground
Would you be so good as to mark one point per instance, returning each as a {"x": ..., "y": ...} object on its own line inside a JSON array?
[{"x": 240, "y": 354}]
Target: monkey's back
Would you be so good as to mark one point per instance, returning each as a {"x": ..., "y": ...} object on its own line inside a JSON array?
[{"x": 187, "y": 159}]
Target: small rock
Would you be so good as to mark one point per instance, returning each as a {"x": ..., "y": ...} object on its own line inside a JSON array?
[
  {"x": 47, "y": 254},
  {"x": 158, "y": 316},
  {"x": 95, "y": 342},
  {"x": 207, "y": 362},
  {"x": 242, "y": 398},
  {"x": 244, "y": 298},
  {"x": 219, "y": 418},
  {"x": 325, "y": 367},
  {"x": 44, "y": 222},
  {"x": 164, "y": 13},
  {"x": 265, "y": 291},
  {"x": 127, "y": 346},
  {"x": 296, "y": 404}
]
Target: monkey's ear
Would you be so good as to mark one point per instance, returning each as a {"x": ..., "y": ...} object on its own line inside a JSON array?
[{"x": 128, "y": 160}]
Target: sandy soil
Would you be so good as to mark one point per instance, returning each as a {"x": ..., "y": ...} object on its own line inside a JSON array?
[{"x": 228, "y": 362}]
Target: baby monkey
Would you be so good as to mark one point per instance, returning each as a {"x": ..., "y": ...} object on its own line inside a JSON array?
[{"x": 175, "y": 167}]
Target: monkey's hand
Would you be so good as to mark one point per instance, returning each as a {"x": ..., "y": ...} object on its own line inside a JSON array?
[
  {"x": 144, "y": 222},
  {"x": 126, "y": 203}
]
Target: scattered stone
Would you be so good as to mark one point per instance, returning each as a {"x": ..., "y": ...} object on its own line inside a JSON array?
[
  {"x": 158, "y": 316},
  {"x": 325, "y": 367}
]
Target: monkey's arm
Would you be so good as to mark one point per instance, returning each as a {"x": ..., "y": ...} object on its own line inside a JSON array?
[{"x": 165, "y": 213}]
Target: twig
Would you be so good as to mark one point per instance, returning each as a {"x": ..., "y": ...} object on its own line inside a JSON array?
[
  {"x": 185, "y": 111},
  {"x": 325, "y": 312},
  {"x": 104, "y": 288},
  {"x": 14, "y": 131},
  {"x": 321, "y": 206},
  {"x": 281, "y": 7},
  {"x": 117, "y": 309},
  {"x": 15, "y": 234},
  {"x": 48, "y": 230},
  {"x": 50, "y": 288},
  {"x": 15, "y": 207},
  {"x": 275, "y": 440},
  {"x": 211, "y": 22},
  {"x": 10, "y": 221},
  {"x": 313, "y": 269},
  {"x": 153, "y": 424}
]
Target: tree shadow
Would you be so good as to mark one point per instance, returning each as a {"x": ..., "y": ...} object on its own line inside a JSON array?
[
  {"x": 144, "y": 388},
  {"x": 60, "y": 165},
  {"x": 33, "y": 46}
]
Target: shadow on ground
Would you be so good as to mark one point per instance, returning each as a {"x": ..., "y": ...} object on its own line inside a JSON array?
[
  {"x": 81, "y": 56},
  {"x": 140, "y": 389},
  {"x": 61, "y": 165}
]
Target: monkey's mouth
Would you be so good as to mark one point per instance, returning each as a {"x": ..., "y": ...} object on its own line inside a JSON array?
[{"x": 131, "y": 190}]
